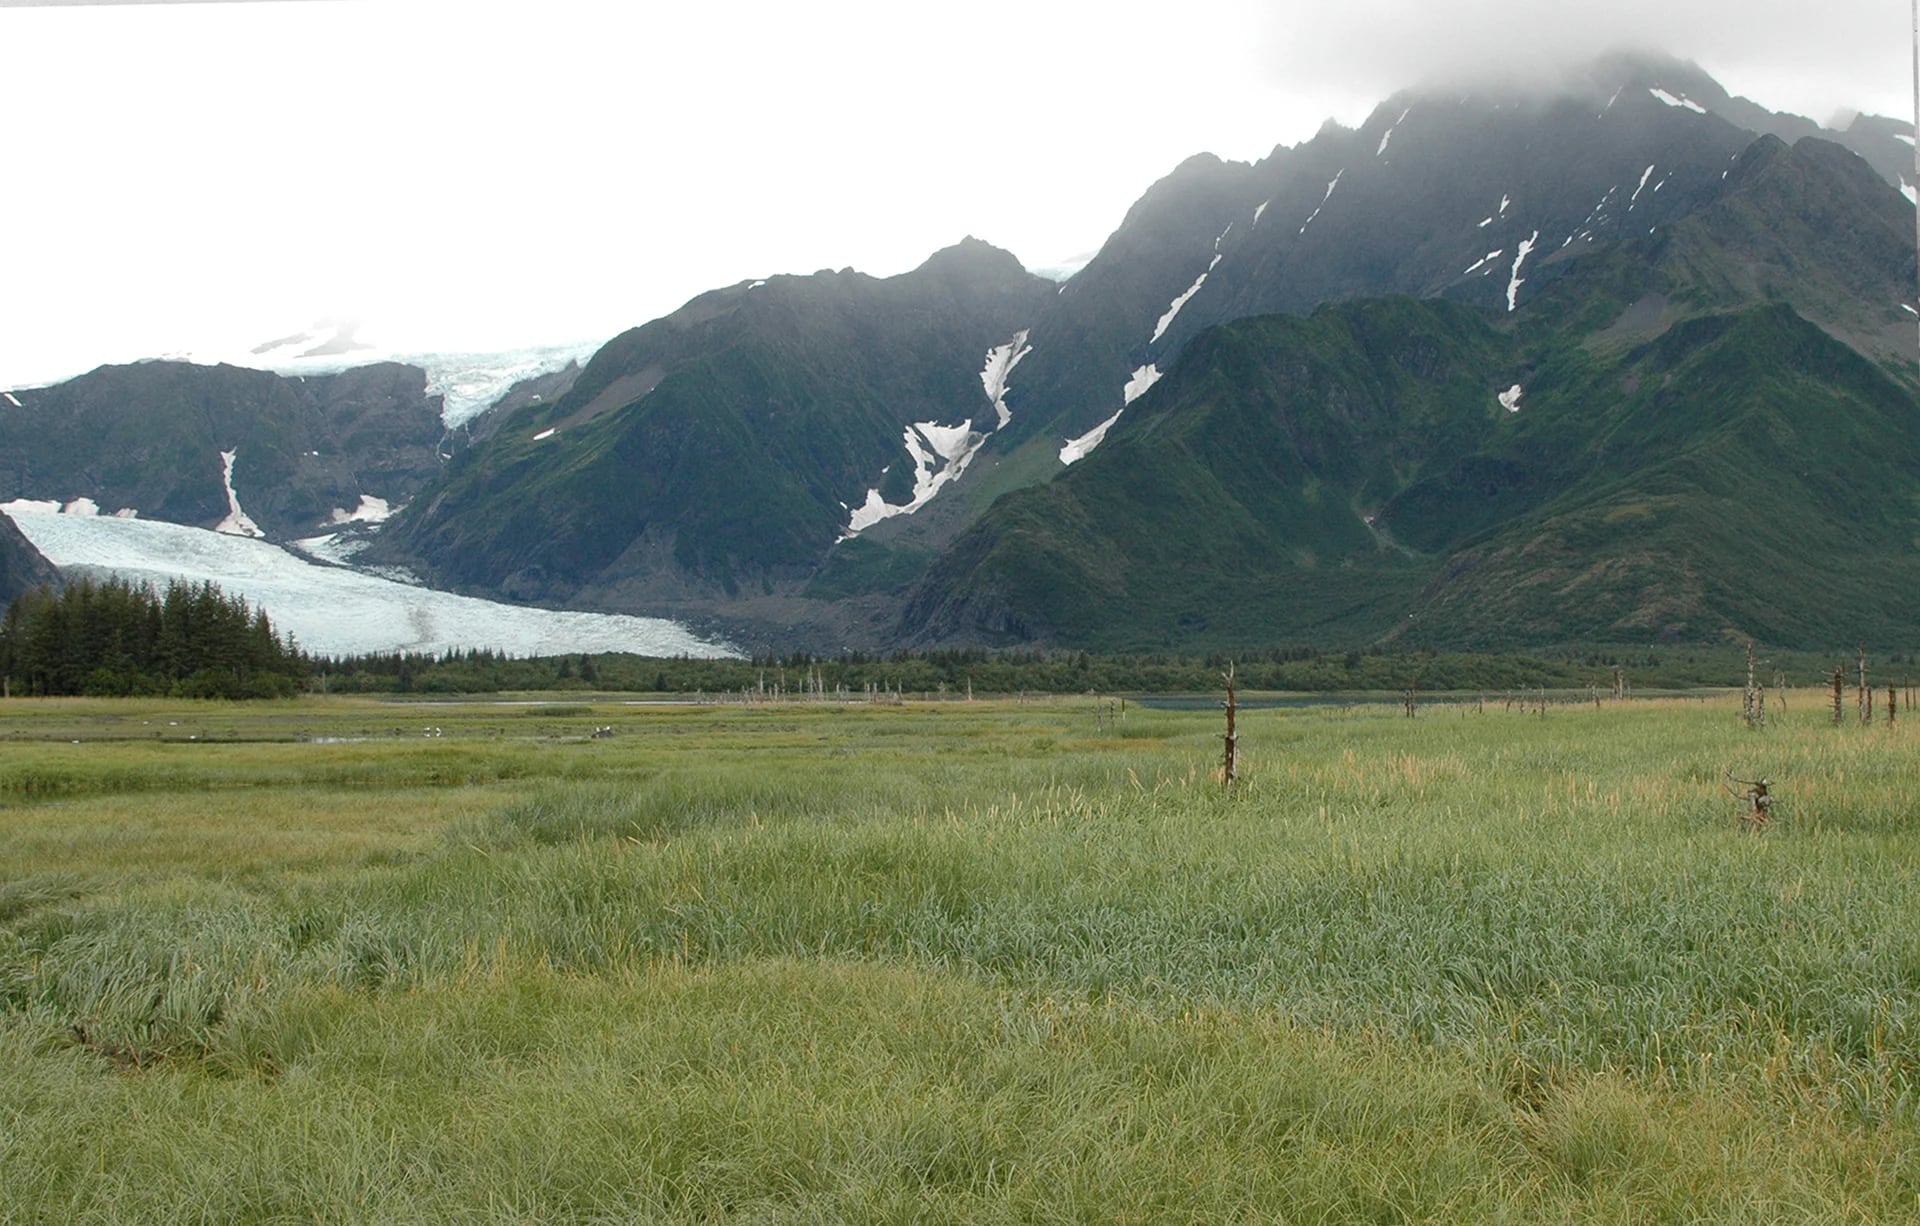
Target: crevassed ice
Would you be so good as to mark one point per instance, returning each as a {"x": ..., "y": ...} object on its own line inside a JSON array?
[{"x": 334, "y": 611}]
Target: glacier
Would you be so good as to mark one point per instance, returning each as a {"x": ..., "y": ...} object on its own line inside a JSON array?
[{"x": 334, "y": 611}]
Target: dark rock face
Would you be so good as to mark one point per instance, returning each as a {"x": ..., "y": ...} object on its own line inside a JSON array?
[
  {"x": 22, "y": 567},
  {"x": 149, "y": 437}
]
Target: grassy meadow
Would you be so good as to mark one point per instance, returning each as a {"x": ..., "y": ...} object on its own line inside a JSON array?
[{"x": 351, "y": 961}]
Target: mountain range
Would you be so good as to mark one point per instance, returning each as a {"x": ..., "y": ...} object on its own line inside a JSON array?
[{"x": 1626, "y": 359}]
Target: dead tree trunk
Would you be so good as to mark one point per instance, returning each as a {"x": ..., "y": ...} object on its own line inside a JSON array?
[
  {"x": 1839, "y": 685},
  {"x": 1866, "y": 694},
  {"x": 1893, "y": 706},
  {"x": 1230, "y": 761},
  {"x": 1758, "y": 798},
  {"x": 1749, "y": 705}
]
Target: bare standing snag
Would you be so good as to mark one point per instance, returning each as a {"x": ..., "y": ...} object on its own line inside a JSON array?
[{"x": 1230, "y": 763}]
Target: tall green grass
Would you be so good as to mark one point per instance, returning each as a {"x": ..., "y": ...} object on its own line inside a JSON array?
[{"x": 974, "y": 962}]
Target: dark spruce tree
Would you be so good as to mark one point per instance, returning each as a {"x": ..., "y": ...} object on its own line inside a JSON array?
[{"x": 113, "y": 638}]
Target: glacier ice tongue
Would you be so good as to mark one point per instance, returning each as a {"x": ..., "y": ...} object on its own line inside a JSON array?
[{"x": 334, "y": 611}]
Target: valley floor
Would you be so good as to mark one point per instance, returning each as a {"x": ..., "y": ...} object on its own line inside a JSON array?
[{"x": 344, "y": 960}]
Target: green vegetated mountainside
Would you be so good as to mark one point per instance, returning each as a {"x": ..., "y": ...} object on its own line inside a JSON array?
[
  {"x": 1685, "y": 459},
  {"x": 1245, "y": 479},
  {"x": 729, "y": 443}
]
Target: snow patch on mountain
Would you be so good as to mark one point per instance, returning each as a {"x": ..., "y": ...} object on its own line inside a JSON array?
[
  {"x": 1907, "y": 190},
  {"x": 1261, "y": 209},
  {"x": 1388, "y": 138},
  {"x": 1001, "y": 359},
  {"x": 546, "y": 434},
  {"x": 1644, "y": 176},
  {"x": 12, "y": 400},
  {"x": 1515, "y": 281},
  {"x": 371, "y": 510},
  {"x": 334, "y": 611},
  {"x": 237, "y": 523},
  {"x": 1077, "y": 448},
  {"x": 1678, "y": 100},
  {"x": 1483, "y": 261},
  {"x": 1510, "y": 399},
  {"x": 1143, "y": 378},
  {"x": 868, "y": 513},
  {"x": 940, "y": 456},
  {"x": 1173, "y": 308},
  {"x": 1324, "y": 199}
]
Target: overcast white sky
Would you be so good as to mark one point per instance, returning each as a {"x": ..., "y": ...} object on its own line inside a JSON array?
[{"x": 478, "y": 174}]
